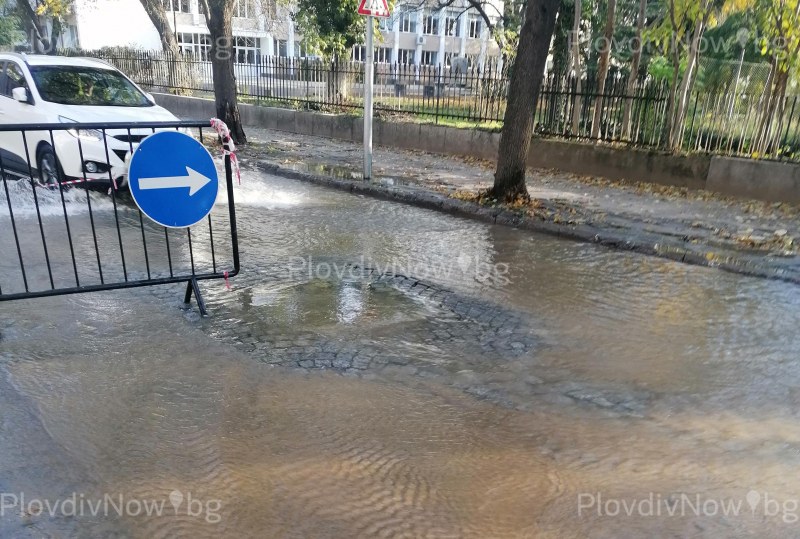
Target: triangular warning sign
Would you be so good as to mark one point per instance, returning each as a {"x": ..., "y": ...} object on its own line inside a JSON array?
[{"x": 376, "y": 8}]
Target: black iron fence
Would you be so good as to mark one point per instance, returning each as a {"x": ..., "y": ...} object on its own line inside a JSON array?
[
  {"x": 66, "y": 226},
  {"x": 745, "y": 123}
]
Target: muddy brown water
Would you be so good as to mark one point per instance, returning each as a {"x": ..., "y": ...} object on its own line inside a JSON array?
[{"x": 640, "y": 398}]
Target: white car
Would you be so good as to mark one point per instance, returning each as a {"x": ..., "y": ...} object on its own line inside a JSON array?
[{"x": 51, "y": 89}]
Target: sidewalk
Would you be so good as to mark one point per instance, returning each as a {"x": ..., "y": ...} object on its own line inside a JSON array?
[{"x": 698, "y": 227}]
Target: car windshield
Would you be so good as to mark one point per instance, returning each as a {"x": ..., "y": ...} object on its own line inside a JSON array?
[{"x": 74, "y": 85}]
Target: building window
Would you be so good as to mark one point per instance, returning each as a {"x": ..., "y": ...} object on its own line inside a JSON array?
[
  {"x": 383, "y": 55},
  {"x": 196, "y": 45},
  {"x": 430, "y": 23},
  {"x": 359, "y": 53},
  {"x": 247, "y": 50},
  {"x": 408, "y": 21},
  {"x": 405, "y": 56},
  {"x": 475, "y": 26},
  {"x": 281, "y": 48},
  {"x": 428, "y": 58},
  {"x": 448, "y": 58},
  {"x": 301, "y": 50},
  {"x": 244, "y": 9},
  {"x": 181, "y": 6},
  {"x": 385, "y": 23},
  {"x": 451, "y": 24}
]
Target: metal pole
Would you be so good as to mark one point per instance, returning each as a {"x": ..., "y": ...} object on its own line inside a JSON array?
[{"x": 368, "y": 76}]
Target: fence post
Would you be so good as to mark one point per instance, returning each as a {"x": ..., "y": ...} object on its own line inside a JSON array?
[
  {"x": 784, "y": 141},
  {"x": 436, "y": 89}
]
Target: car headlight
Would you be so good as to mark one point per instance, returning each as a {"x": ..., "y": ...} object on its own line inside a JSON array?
[{"x": 85, "y": 134}]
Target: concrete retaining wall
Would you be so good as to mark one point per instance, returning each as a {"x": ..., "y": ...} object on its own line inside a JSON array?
[{"x": 745, "y": 178}]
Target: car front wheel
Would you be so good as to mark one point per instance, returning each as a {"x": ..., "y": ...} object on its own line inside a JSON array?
[{"x": 50, "y": 173}]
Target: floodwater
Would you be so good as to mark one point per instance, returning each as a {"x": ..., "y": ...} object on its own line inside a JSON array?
[{"x": 534, "y": 387}]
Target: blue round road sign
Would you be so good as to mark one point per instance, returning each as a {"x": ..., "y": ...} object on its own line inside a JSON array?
[{"x": 173, "y": 179}]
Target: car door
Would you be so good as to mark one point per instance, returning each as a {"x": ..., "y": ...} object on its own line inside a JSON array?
[{"x": 12, "y": 144}]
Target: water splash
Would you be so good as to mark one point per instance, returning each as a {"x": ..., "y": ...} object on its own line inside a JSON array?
[
  {"x": 258, "y": 194},
  {"x": 23, "y": 201}
]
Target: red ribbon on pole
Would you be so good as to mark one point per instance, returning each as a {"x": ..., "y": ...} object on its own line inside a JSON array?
[{"x": 228, "y": 147}]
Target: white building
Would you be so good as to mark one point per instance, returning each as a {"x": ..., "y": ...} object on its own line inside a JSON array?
[{"x": 412, "y": 35}]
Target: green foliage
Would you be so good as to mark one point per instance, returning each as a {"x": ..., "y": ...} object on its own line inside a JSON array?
[
  {"x": 778, "y": 23},
  {"x": 10, "y": 32},
  {"x": 660, "y": 69},
  {"x": 58, "y": 9},
  {"x": 330, "y": 27}
]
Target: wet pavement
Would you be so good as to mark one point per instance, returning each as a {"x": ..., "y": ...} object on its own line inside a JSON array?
[
  {"x": 380, "y": 370},
  {"x": 702, "y": 227}
]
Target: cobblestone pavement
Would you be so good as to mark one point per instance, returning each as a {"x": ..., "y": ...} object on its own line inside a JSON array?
[
  {"x": 480, "y": 347},
  {"x": 714, "y": 228}
]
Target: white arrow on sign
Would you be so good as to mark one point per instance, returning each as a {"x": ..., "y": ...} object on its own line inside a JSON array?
[{"x": 193, "y": 180}]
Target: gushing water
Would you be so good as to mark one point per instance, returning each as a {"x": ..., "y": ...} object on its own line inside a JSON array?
[{"x": 24, "y": 200}]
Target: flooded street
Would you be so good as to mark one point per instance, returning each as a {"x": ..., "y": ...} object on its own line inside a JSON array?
[{"x": 380, "y": 370}]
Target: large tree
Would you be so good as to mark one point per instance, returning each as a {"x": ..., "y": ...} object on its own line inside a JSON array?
[
  {"x": 779, "y": 29},
  {"x": 576, "y": 67},
  {"x": 34, "y": 15},
  {"x": 633, "y": 76},
  {"x": 331, "y": 27},
  {"x": 10, "y": 30},
  {"x": 602, "y": 67},
  {"x": 523, "y": 98},
  {"x": 158, "y": 16},
  {"x": 219, "y": 19}
]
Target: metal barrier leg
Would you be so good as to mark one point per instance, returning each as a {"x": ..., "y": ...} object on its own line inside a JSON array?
[{"x": 192, "y": 287}]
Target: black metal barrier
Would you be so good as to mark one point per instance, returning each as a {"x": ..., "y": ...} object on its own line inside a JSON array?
[{"x": 68, "y": 224}]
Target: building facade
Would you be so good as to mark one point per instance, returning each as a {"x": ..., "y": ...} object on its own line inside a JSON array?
[{"x": 414, "y": 34}]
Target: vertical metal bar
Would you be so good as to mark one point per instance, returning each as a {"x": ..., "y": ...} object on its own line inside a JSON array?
[
  {"x": 784, "y": 142},
  {"x": 211, "y": 240},
  {"x": 114, "y": 203},
  {"x": 66, "y": 218},
  {"x": 368, "y": 73},
  {"x": 191, "y": 250},
  {"x": 694, "y": 116},
  {"x": 437, "y": 92},
  {"x": 13, "y": 222},
  {"x": 169, "y": 254},
  {"x": 91, "y": 216},
  {"x": 232, "y": 214},
  {"x": 141, "y": 217},
  {"x": 38, "y": 212}
]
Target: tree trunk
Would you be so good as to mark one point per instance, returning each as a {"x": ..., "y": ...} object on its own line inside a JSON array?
[
  {"x": 636, "y": 59},
  {"x": 576, "y": 69},
  {"x": 55, "y": 34},
  {"x": 562, "y": 43},
  {"x": 523, "y": 97},
  {"x": 178, "y": 71},
  {"x": 682, "y": 99},
  {"x": 666, "y": 130},
  {"x": 37, "y": 33},
  {"x": 158, "y": 16},
  {"x": 777, "y": 82},
  {"x": 602, "y": 68},
  {"x": 219, "y": 20}
]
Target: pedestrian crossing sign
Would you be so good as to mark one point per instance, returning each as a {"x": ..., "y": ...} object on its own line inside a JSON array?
[{"x": 374, "y": 8}]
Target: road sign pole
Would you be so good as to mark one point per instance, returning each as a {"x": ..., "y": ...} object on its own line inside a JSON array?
[{"x": 368, "y": 77}]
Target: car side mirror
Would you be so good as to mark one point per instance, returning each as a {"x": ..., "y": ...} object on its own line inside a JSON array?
[
  {"x": 150, "y": 98},
  {"x": 21, "y": 94}
]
